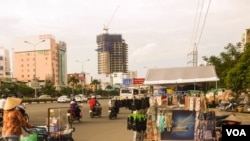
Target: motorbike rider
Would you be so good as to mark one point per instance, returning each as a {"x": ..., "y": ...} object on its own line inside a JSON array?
[
  {"x": 93, "y": 102},
  {"x": 75, "y": 108}
]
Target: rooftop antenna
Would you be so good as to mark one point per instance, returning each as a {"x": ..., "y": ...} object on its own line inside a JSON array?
[{"x": 106, "y": 26}]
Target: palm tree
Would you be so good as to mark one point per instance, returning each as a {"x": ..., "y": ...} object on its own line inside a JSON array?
[
  {"x": 73, "y": 82},
  {"x": 95, "y": 82},
  {"x": 108, "y": 88}
]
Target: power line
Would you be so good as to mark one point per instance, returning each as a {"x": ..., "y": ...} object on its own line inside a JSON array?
[
  {"x": 204, "y": 23},
  {"x": 194, "y": 41}
]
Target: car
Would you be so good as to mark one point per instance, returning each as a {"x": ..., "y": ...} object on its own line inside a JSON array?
[
  {"x": 84, "y": 99},
  {"x": 81, "y": 98},
  {"x": 45, "y": 96},
  {"x": 63, "y": 99},
  {"x": 78, "y": 98},
  {"x": 98, "y": 96}
]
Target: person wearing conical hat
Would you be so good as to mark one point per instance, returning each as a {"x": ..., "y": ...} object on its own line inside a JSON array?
[
  {"x": 13, "y": 121},
  {"x": 231, "y": 120}
]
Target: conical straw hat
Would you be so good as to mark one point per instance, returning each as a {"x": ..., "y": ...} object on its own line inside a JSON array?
[
  {"x": 11, "y": 103},
  {"x": 232, "y": 118}
]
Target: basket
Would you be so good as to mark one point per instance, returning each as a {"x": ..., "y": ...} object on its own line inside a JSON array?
[{"x": 31, "y": 137}]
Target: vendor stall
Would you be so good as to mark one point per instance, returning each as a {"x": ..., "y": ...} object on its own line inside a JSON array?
[{"x": 180, "y": 116}]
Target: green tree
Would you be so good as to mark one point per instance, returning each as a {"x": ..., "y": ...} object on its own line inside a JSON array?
[
  {"x": 95, "y": 82},
  {"x": 225, "y": 62},
  {"x": 238, "y": 78},
  {"x": 48, "y": 89}
]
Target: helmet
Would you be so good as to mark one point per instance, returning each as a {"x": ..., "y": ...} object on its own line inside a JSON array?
[{"x": 93, "y": 96}]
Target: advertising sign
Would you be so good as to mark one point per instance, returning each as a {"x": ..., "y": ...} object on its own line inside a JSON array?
[
  {"x": 138, "y": 80},
  {"x": 127, "y": 81}
]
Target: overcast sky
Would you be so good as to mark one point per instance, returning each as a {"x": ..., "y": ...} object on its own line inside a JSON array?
[{"x": 159, "y": 33}]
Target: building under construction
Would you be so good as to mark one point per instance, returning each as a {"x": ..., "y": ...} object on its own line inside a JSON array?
[{"x": 112, "y": 54}]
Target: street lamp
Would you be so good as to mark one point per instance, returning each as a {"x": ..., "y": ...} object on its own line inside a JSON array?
[
  {"x": 34, "y": 77},
  {"x": 83, "y": 81}
]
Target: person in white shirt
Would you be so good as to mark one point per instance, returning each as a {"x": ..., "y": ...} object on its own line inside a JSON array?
[{"x": 2, "y": 103}]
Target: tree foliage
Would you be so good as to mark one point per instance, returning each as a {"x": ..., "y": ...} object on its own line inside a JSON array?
[{"x": 232, "y": 67}]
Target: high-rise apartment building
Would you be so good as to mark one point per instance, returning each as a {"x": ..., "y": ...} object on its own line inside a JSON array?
[
  {"x": 112, "y": 54},
  {"x": 5, "y": 73},
  {"x": 40, "y": 57},
  {"x": 245, "y": 38}
]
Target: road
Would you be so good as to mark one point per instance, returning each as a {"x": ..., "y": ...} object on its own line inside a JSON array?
[
  {"x": 98, "y": 129},
  {"x": 89, "y": 129}
]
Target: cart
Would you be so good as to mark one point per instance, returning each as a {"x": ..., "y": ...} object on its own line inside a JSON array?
[{"x": 57, "y": 127}]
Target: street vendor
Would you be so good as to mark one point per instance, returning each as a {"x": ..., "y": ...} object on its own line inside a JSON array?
[
  {"x": 231, "y": 120},
  {"x": 13, "y": 120}
]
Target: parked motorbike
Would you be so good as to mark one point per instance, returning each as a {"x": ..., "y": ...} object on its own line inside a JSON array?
[
  {"x": 72, "y": 116},
  {"x": 112, "y": 112},
  {"x": 227, "y": 106},
  {"x": 96, "y": 111}
]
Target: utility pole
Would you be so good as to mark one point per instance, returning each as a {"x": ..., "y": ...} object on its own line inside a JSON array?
[
  {"x": 35, "y": 82},
  {"x": 83, "y": 74}
]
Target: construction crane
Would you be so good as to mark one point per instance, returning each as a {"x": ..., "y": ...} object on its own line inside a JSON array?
[{"x": 106, "y": 26}]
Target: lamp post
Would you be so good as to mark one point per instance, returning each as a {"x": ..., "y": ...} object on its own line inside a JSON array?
[
  {"x": 83, "y": 76},
  {"x": 34, "y": 77}
]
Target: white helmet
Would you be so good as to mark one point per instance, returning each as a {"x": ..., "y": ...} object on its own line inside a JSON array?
[{"x": 93, "y": 96}]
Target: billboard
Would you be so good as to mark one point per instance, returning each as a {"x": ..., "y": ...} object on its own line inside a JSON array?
[
  {"x": 127, "y": 81},
  {"x": 138, "y": 80}
]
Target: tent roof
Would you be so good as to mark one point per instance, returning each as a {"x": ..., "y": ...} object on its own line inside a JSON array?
[{"x": 181, "y": 75}]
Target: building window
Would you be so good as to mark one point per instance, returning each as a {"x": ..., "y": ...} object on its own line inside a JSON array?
[
  {"x": 1, "y": 57},
  {"x": 22, "y": 75},
  {"x": 1, "y": 67},
  {"x": 28, "y": 75}
]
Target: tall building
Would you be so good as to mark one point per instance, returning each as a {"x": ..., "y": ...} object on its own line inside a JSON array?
[
  {"x": 40, "y": 57},
  {"x": 112, "y": 54},
  {"x": 4, "y": 64},
  {"x": 245, "y": 38}
]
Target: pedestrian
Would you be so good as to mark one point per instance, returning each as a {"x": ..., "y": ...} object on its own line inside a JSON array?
[
  {"x": 2, "y": 103},
  {"x": 13, "y": 121}
]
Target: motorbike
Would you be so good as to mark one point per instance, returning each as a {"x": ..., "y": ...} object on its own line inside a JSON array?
[
  {"x": 227, "y": 106},
  {"x": 96, "y": 111},
  {"x": 72, "y": 116},
  {"x": 112, "y": 112}
]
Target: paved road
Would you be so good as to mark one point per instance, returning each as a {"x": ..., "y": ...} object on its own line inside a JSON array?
[
  {"x": 99, "y": 129},
  {"x": 90, "y": 129}
]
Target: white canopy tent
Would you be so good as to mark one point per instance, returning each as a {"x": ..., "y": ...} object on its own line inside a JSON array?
[{"x": 180, "y": 75}]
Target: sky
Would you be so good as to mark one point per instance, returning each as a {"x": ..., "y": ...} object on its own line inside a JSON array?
[{"x": 159, "y": 33}]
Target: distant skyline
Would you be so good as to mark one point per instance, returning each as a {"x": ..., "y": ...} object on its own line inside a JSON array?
[{"x": 158, "y": 33}]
